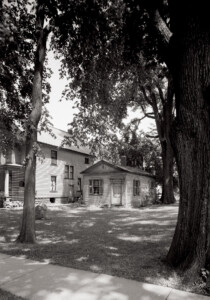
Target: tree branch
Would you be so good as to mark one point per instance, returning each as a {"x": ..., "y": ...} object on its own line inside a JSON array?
[
  {"x": 152, "y": 136},
  {"x": 145, "y": 95},
  {"x": 150, "y": 115},
  {"x": 162, "y": 27},
  {"x": 162, "y": 98}
]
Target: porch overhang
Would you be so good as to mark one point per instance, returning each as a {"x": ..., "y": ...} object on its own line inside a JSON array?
[{"x": 11, "y": 166}]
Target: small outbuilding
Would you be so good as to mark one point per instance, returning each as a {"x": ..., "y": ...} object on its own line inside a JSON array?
[{"x": 106, "y": 184}]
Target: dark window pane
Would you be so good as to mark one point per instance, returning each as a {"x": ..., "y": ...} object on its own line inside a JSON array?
[{"x": 53, "y": 157}]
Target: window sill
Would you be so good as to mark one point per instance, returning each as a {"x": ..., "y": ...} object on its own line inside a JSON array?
[
  {"x": 52, "y": 191},
  {"x": 54, "y": 165}
]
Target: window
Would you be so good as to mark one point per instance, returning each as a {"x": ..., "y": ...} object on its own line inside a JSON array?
[
  {"x": 71, "y": 172},
  {"x": 136, "y": 187},
  {"x": 66, "y": 172},
  {"x": 53, "y": 157},
  {"x": 53, "y": 183},
  {"x": 96, "y": 187},
  {"x": 87, "y": 161}
]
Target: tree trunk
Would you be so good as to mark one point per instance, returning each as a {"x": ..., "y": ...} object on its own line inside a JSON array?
[
  {"x": 163, "y": 123},
  {"x": 191, "y": 136},
  {"x": 27, "y": 232},
  {"x": 167, "y": 151},
  {"x": 168, "y": 163}
]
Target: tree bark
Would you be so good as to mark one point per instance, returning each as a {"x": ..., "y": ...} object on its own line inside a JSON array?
[
  {"x": 190, "y": 66},
  {"x": 167, "y": 151},
  {"x": 27, "y": 232},
  {"x": 168, "y": 164}
]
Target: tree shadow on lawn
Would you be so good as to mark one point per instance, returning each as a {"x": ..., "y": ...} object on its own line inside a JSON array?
[{"x": 120, "y": 242}]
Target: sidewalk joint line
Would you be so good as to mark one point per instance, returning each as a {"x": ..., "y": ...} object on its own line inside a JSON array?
[{"x": 169, "y": 294}]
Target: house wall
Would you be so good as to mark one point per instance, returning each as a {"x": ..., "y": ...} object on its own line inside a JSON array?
[
  {"x": 147, "y": 191},
  {"x": 16, "y": 173},
  {"x": 45, "y": 170}
]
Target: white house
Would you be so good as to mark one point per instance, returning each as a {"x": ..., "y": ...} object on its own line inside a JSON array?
[
  {"x": 58, "y": 172},
  {"x": 106, "y": 184}
]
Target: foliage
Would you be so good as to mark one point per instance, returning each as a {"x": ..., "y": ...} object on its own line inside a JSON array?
[
  {"x": 96, "y": 130},
  {"x": 15, "y": 61},
  {"x": 140, "y": 150},
  {"x": 17, "y": 48}
]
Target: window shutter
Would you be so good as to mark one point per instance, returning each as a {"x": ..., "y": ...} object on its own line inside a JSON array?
[
  {"x": 134, "y": 189},
  {"x": 90, "y": 187}
]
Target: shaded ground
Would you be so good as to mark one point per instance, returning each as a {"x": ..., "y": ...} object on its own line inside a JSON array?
[
  {"x": 4, "y": 295},
  {"x": 120, "y": 242}
]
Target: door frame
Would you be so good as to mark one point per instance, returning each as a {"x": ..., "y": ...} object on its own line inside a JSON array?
[{"x": 119, "y": 181}]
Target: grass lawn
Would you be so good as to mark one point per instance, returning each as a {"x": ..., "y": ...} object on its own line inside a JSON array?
[
  {"x": 121, "y": 242},
  {"x": 4, "y": 295}
]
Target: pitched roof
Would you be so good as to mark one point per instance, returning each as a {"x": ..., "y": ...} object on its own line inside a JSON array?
[
  {"x": 124, "y": 169},
  {"x": 57, "y": 140}
]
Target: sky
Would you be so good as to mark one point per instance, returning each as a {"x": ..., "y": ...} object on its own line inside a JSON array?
[{"x": 62, "y": 112}]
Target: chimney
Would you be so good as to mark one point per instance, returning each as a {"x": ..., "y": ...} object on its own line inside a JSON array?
[{"x": 123, "y": 161}]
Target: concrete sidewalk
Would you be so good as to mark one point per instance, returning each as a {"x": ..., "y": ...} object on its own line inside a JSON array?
[{"x": 42, "y": 281}]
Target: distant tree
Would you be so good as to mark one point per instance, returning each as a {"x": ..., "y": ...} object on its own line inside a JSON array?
[
  {"x": 95, "y": 130},
  {"x": 156, "y": 92},
  {"x": 140, "y": 150},
  {"x": 130, "y": 146}
]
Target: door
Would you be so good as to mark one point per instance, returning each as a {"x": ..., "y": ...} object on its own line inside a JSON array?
[{"x": 116, "y": 193}]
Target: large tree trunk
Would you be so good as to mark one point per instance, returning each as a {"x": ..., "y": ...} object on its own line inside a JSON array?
[
  {"x": 27, "y": 233},
  {"x": 191, "y": 136}
]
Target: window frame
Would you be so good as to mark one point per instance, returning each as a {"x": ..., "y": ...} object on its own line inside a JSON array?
[
  {"x": 96, "y": 186},
  {"x": 66, "y": 172},
  {"x": 53, "y": 187},
  {"x": 71, "y": 172},
  {"x": 136, "y": 187},
  {"x": 54, "y": 159}
]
